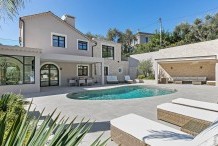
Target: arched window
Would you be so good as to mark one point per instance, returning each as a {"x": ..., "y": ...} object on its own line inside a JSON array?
[{"x": 17, "y": 70}]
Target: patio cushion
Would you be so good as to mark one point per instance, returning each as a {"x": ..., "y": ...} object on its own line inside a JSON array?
[
  {"x": 127, "y": 78},
  {"x": 151, "y": 132},
  {"x": 189, "y": 78},
  {"x": 196, "y": 104},
  {"x": 189, "y": 111},
  {"x": 112, "y": 78},
  {"x": 202, "y": 78}
]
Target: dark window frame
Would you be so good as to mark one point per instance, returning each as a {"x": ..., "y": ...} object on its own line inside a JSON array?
[
  {"x": 82, "y": 45},
  {"x": 82, "y": 68},
  {"x": 59, "y": 40},
  {"x": 107, "y": 51},
  {"x": 23, "y": 66},
  {"x": 106, "y": 72},
  {"x": 49, "y": 72}
]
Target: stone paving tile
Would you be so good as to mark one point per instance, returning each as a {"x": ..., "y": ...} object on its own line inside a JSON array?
[{"x": 104, "y": 111}]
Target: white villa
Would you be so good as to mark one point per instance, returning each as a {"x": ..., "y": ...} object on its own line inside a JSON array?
[{"x": 53, "y": 51}]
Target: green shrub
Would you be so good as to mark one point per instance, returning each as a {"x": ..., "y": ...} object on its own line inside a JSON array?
[
  {"x": 141, "y": 77},
  {"x": 151, "y": 77},
  {"x": 17, "y": 128},
  {"x": 52, "y": 132},
  {"x": 12, "y": 104}
]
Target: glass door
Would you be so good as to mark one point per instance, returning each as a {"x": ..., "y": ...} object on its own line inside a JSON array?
[{"x": 49, "y": 75}]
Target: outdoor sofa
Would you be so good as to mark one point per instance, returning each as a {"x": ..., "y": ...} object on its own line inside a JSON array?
[
  {"x": 196, "y": 104},
  {"x": 112, "y": 80},
  {"x": 134, "y": 130},
  {"x": 193, "y": 80},
  {"x": 180, "y": 115}
]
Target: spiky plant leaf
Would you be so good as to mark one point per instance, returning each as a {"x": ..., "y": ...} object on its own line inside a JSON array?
[{"x": 27, "y": 132}]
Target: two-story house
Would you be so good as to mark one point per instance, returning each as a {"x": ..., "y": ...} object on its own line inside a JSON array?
[
  {"x": 53, "y": 51},
  {"x": 142, "y": 38}
]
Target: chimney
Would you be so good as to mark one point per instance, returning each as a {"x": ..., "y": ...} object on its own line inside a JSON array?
[{"x": 69, "y": 19}]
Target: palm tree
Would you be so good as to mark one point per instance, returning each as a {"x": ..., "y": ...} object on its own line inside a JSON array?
[{"x": 10, "y": 8}]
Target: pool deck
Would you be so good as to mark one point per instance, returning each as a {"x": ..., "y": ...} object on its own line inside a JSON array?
[{"x": 104, "y": 111}]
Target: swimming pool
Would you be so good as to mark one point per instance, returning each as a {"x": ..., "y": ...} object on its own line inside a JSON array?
[{"x": 123, "y": 92}]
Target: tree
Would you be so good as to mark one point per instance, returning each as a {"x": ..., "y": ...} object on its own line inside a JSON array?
[
  {"x": 146, "y": 67},
  {"x": 10, "y": 8},
  {"x": 114, "y": 35},
  {"x": 125, "y": 38},
  {"x": 90, "y": 36}
]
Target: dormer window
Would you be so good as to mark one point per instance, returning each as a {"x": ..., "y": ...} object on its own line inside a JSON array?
[
  {"x": 82, "y": 45},
  {"x": 58, "y": 41}
]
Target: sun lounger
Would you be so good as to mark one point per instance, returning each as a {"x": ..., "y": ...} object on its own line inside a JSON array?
[
  {"x": 127, "y": 79},
  {"x": 179, "y": 115},
  {"x": 112, "y": 79},
  {"x": 196, "y": 104},
  {"x": 134, "y": 130}
]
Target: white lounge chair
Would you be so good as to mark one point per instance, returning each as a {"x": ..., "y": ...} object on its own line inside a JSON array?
[
  {"x": 112, "y": 79},
  {"x": 180, "y": 115},
  {"x": 196, "y": 104},
  {"x": 134, "y": 130},
  {"x": 128, "y": 79}
]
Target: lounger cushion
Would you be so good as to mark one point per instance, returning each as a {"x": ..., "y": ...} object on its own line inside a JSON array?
[
  {"x": 196, "y": 104},
  {"x": 152, "y": 133},
  {"x": 127, "y": 78},
  {"x": 189, "y": 111},
  {"x": 112, "y": 79}
]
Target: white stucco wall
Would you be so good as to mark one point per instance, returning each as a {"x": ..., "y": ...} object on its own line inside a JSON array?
[
  {"x": 38, "y": 34},
  {"x": 115, "y": 64},
  {"x": 191, "y": 50}
]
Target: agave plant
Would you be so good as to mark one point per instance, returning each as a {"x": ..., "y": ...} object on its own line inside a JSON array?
[{"x": 27, "y": 132}]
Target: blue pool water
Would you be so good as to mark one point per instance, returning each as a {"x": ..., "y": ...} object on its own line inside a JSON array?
[{"x": 124, "y": 92}]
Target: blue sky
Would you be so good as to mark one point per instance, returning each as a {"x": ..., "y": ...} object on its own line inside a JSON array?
[{"x": 97, "y": 16}]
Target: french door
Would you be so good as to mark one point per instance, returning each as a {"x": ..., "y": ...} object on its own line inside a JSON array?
[{"x": 49, "y": 75}]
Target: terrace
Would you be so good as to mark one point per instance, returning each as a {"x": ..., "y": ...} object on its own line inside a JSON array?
[{"x": 103, "y": 111}]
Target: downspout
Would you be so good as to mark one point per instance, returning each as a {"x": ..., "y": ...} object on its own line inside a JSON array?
[
  {"x": 23, "y": 32},
  {"x": 93, "y": 47},
  {"x": 95, "y": 44}
]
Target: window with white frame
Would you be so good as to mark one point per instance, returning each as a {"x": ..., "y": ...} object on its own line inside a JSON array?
[
  {"x": 58, "y": 41},
  {"x": 83, "y": 70},
  {"x": 82, "y": 45}
]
